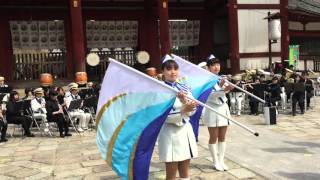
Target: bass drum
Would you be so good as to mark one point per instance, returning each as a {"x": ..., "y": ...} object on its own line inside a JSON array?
[
  {"x": 81, "y": 78},
  {"x": 46, "y": 80}
]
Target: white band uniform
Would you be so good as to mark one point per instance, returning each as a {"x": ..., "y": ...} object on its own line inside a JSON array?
[
  {"x": 176, "y": 141},
  {"x": 218, "y": 101}
]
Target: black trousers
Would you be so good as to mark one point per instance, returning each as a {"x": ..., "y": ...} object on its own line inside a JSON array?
[
  {"x": 25, "y": 121},
  {"x": 309, "y": 95},
  {"x": 63, "y": 125},
  {"x": 300, "y": 100},
  {"x": 254, "y": 107},
  {"x": 3, "y": 128}
]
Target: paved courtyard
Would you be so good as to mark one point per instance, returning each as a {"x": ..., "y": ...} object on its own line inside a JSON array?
[{"x": 288, "y": 150}]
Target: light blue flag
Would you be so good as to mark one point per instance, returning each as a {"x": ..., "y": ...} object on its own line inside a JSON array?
[{"x": 131, "y": 110}]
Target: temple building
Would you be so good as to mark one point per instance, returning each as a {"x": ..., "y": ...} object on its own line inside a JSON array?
[{"x": 55, "y": 36}]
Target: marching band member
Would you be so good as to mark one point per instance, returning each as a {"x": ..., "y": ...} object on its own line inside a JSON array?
[
  {"x": 3, "y": 128},
  {"x": 298, "y": 96},
  {"x": 55, "y": 114},
  {"x": 84, "y": 118},
  {"x": 275, "y": 91},
  {"x": 38, "y": 106},
  {"x": 236, "y": 96},
  {"x": 217, "y": 125},
  {"x": 15, "y": 114},
  {"x": 253, "y": 102},
  {"x": 177, "y": 142},
  {"x": 309, "y": 87}
]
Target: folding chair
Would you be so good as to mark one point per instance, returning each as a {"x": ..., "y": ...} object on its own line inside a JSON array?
[
  {"x": 72, "y": 120},
  {"x": 42, "y": 125}
]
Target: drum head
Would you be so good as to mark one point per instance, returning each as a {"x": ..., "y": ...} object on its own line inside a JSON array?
[
  {"x": 143, "y": 57},
  {"x": 93, "y": 59}
]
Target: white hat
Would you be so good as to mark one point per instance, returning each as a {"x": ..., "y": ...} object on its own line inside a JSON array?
[
  {"x": 73, "y": 85},
  {"x": 211, "y": 56},
  {"x": 167, "y": 57},
  {"x": 202, "y": 64},
  {"x": 38, "y": 91},
  {"x": 1, "y": 78},
  {"x": 90, "y": 84}
]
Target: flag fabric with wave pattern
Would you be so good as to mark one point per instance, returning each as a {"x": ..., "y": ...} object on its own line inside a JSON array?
[
  {"x": 200, "y": 81},
  {"x": 130, "y": 112}
]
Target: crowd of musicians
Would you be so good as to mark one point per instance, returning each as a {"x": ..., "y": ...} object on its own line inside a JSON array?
[
  {"x": 43, "y": 106},
  {"x": 276, "y": 91},
  {"x": 50, "y": 104}
]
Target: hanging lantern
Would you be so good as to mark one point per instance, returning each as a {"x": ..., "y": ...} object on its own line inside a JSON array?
[{"x": 274, "y": 29}]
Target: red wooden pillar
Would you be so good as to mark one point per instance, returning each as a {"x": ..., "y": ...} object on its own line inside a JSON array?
[
  {"x": 68, "y": 39},
  {"x": 205, "y": 36},
  {"x": 164, "y": 27},
  {"x": 78, "y": 51},
  {"x": 6, "y": 52},
  {"x": 285, "y": 38},
  {"x": 234, "y": 36},
  {"x": 149, "y": 36}
]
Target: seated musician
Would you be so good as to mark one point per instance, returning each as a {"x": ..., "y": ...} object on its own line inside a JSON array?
[
  {"x": 61, "y": 95},
  {"x": 38, "y": 106},
  {"x": 84, "y": 118},
  {"x": 2, "y": 84},
  {"x": 275, "y": 91},
  {"x": 298, "y": 95},
  {"x": 15, "y": 114},
  {"x": 3, "y": 128},
  {"x": 28, "y": 94},
  {"x": 309, "y": 87},
  {"x": 55, "y": 114}
]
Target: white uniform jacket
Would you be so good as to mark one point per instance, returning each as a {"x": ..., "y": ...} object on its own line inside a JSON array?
[
  {"x": 218, "y": 101},
  {"x": 38, "y": 105},
  {"x": 177, "y": 140}
]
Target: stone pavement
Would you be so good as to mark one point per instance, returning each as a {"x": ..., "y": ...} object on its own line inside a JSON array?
[
  {"x": 288, "y": 150},
  {"x": 77, "y": 157}
]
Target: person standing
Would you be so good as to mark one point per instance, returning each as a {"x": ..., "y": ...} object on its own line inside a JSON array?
[
  {"x": 217, "y": 125},
  {"x": 176, "y": 142}
]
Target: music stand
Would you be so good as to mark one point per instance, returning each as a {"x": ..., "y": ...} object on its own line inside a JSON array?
[
  {"x": 90, "y": 101},
  {"x": 75, "y": 104},
  {"x": 5, "y": 89}
]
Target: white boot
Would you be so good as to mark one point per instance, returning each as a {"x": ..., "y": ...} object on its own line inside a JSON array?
[
  {"x": 222, "y": 150},
  {"x": 214, "y": 154}
]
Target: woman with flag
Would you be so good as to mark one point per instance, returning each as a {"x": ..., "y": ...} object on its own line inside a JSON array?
[
  {"x": 217, "y": 125},
  {"x": 177, "y": 143}
]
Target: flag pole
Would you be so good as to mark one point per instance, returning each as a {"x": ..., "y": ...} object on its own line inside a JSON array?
[
  {"x": 191, "y": 98},
  {"x": 219, "y": 77}
]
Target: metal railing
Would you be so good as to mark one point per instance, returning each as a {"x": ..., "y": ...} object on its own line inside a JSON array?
[
  {"x": 127, "y": 57},
  {"x": 29, "y": 66}
]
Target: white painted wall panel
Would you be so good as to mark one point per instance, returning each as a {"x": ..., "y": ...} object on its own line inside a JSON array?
[
  {"x": 313, "y": 26},
  {"x": 253, "y": 32},
  {"x": 258, "y": 1},
  {"x": 256, "y": 63},
  {"x": 295, "y": 25}
]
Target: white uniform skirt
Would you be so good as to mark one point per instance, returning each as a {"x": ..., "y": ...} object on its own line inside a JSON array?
[
  {"x": 211, "y": 119},
  {"x": 177, "y": 143}
]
